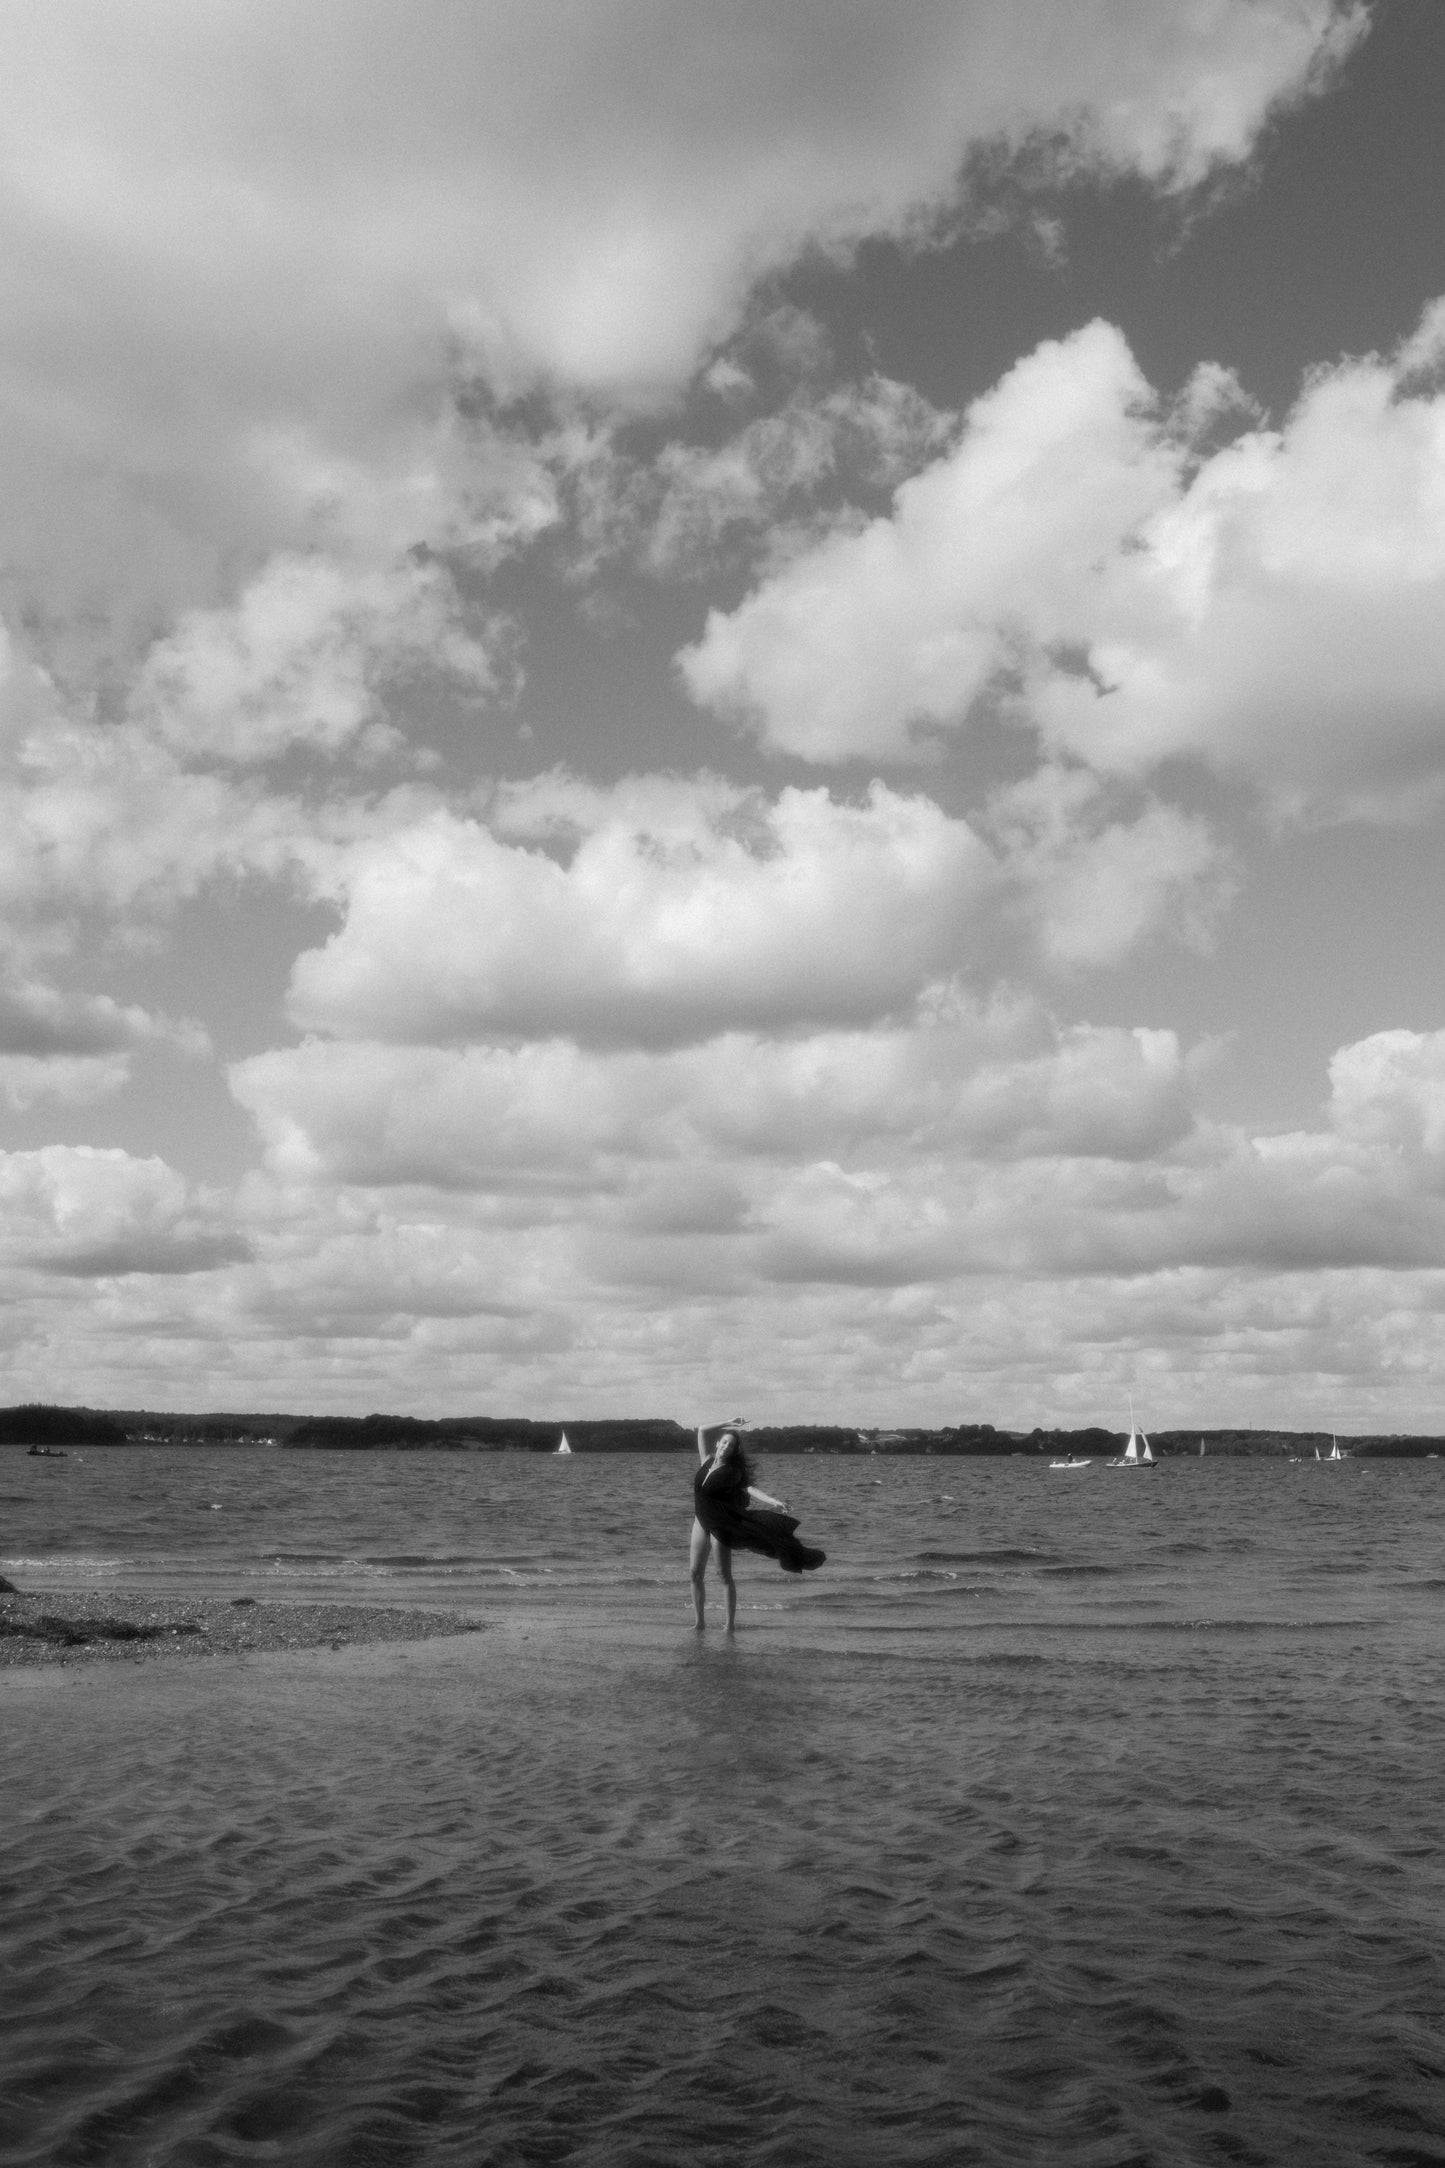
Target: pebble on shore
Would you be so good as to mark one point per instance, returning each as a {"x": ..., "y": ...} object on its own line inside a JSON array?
[{"x": 83, "y": 1627}]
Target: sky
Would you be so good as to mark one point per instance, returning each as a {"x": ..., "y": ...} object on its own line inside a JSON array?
[{"x": 730, "y": 708}]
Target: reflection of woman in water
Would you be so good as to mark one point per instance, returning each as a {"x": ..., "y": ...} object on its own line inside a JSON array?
[{"x": 733, "y": 1514}]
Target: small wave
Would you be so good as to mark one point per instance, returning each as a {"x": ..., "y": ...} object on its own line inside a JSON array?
[
  {"x": 68, "y": 1562},
  {"x": 1011, "y": 1660},
  {"x": 1230, "y": 1625},
  {"x": 1001, "y": 1557},
  {"x": 433, "y": 1559}
]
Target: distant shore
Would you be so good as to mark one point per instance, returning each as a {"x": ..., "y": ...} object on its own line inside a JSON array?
[
  {"x": 37, "y": 1627},
  {"x": 60, "y": 1430}
]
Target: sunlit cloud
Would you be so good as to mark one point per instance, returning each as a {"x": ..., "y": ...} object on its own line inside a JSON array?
[
  {"x": 80, "y": 1212},
  {"x": 1273, "y": 608},
  {"x": 663, "y": 911}
]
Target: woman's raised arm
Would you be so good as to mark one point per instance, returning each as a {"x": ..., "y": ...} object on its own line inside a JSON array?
[{"x": 709, "y": 1433}]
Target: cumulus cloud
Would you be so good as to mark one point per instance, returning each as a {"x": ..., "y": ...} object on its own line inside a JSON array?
[
  {"x": 1280, "y": 614},
  {"x": 1389, "y": 1090},
  {"x": 705, "y": 909},
  {"x": 981, "y": 1215},
  {"x": 68, "y": 1080},
  {"x": 303, "y": 659},
  {"x": 42, "y": 1021},
  {"x": 73, "y": 1048},
  {"x": 121, "y": 822},
  {"x": 595, "y": 186},
  {"x": 643, "y": 1072},
  {"x": 1302, "y": 1205},
  {"x": 983, "y": 1202},
  {"x": 219, "y": 227},
  {"x": 106, "y": 818},
  {"x": 82, "y": 1212},
  {"x": 1274, "y": 608},
  {"x": 909, "y": 618},
  {"x": 554, "y": 1120},
  {"x": 692, "y": 502},
  {"x": 664, "y": 911},
  {"x": 1094, "y": 884}
]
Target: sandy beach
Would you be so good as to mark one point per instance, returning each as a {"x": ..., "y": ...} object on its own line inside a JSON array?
[{"x": 72, "y": 1627}]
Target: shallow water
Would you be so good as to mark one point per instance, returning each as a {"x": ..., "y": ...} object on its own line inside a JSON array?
[{"x": 1063, "y": 1818}]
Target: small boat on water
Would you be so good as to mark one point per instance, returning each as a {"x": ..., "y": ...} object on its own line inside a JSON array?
[
  {"x": 1072, "y": 1460},
  {"x": 1137, "y": 1452},
  {"x": 46, "y": 1452},
  {"x": 564, "y": 1448},
  {"x": 1334, "y": 1452}
]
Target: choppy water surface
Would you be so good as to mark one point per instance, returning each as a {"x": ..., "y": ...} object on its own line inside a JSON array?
[{"x": 1063, "y": 1818}]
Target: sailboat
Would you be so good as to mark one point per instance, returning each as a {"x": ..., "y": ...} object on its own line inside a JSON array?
[
  {"x": 564, "y": 1447},
  {"x": 1334, "y": 1452},
  {"x": 1138, "y": 1452},
  {"x": 1201, "y": 1449}
]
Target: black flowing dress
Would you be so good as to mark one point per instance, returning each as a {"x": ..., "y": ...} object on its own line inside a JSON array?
[{"x": 725, "y": 1512}]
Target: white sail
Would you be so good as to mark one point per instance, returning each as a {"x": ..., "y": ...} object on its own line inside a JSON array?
[
  {"x": 564, "y": 1447},
  {"x": 1137, "y": 1452}
]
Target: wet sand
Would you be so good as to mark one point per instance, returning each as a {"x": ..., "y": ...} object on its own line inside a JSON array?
[{"x": 70, "y": 1627}]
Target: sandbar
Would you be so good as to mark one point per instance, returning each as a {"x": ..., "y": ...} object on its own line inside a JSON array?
[{"x": 104, "y": 1625}]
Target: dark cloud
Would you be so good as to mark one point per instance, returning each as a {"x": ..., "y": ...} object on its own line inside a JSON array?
[
  {"x": 154, "y": 1253},
  {"x": 44, "y": 1023}
]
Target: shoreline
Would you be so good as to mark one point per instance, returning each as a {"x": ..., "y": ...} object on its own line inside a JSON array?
[{"x": 70, "y": 1627}]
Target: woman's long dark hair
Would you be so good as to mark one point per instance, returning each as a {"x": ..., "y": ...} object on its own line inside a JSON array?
[{"x": 737, "y": 1458}]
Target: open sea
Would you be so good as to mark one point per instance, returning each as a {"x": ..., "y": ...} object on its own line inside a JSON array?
[{"x": 1080, "y": 1819}]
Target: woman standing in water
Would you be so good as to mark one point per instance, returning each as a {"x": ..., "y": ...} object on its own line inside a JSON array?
[{"x": 732, "y": 1513}]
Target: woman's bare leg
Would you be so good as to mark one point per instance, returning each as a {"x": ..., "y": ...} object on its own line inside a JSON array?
[
  {"x": 697, "y": 1566},
  {"x": 725, "y": 1568}
]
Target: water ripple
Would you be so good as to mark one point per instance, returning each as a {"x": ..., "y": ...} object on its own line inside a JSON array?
[{"x": 997, "y": 1869}]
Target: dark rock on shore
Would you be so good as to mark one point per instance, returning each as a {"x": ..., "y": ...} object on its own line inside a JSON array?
[{"x": 75, "y": 1632}]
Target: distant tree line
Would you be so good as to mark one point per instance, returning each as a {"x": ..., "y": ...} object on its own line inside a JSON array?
[
  {"x": 485, "y": 1434},
  {"x": 36, "y": 1423},
  {"x": 976, "y": 1438}
]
